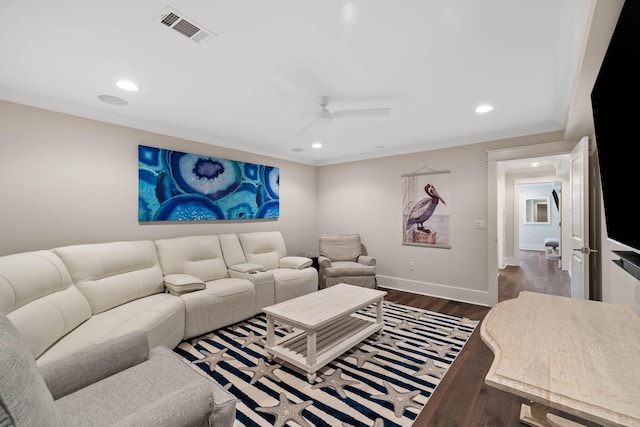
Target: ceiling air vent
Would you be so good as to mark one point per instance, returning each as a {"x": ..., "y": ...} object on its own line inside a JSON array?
[{"x": 185, "y": 26}]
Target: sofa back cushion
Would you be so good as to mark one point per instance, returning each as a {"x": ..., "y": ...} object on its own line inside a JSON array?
[
  {"x": 264, "y": 248},
  {"x": 114, "y": 273},
  {"x": 198, "y": 256},
  {"x": 232, "y": 249},
  {"x": 38, "y": 297},
  {"x": 340, "y": 247}
]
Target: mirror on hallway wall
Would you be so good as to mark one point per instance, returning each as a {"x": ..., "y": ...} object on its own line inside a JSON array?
[{"x": 537, "y": 211}]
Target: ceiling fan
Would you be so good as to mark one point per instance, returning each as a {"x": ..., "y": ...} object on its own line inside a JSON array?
[{"x": 324, "y": 116}]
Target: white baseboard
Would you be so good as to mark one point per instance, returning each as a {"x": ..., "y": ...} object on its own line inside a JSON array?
[
  {"x": 434, "y": 290},
  {"x": 509, "y": 261}
]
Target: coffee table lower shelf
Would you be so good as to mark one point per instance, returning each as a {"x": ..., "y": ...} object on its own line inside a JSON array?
[{"x": 311, "y": 350}]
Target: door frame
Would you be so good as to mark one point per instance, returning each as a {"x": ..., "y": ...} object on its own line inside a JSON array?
[
  {"x": 494, "y": 181},
  {"x": 580, "y": 227}
]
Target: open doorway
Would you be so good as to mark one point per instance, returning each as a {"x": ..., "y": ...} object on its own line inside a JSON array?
[
  {"x": 538, "y": 240},
  {"x": 543, "y": 162},
  {"x": 538, "y": 217},
  {"x": 528, "y": 211}
]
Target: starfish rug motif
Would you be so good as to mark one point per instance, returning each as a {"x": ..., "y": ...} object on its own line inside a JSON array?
[
  {"x": 336, "y": 382},
  {"x": 385, "y": 380},
  {"x": 400, "y": 401},
  {"x": 287, "y": 411}
]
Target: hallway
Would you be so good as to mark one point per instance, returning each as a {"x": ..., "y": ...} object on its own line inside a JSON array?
[{"x": 536, "y": 274}]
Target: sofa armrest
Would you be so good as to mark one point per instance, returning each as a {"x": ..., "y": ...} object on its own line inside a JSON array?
[
  {"x": 295, "y": 262},
  {"x": 178, "y": 284},
  {"x": 95, "y": 363},
  {"x": 324, "y": 262},
  {"x": 191, "y": 405},
  {"x": 366, "y": 260},
  {"x": 247, "y": 267}
]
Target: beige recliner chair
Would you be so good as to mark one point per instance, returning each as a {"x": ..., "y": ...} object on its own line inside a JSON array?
[{"x": 343, "y": 259}]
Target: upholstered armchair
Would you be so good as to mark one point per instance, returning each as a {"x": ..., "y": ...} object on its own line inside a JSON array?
[
  {"x": 343, "y": 260},
  {"x": 116, "y": 383}
]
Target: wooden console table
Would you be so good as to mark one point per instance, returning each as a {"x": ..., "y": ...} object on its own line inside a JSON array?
[{"x": 577, "y": 356}]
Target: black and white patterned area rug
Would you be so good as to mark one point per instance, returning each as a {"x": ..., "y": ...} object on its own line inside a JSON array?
[{"x": 384, "y": 381}]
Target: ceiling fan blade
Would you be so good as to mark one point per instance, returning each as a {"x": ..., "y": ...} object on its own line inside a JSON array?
[
  {"x": 306, "y": 127},
  {"x": 361, "y": 112}
]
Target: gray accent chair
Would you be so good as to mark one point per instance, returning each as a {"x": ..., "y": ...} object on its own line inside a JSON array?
[
  {"x": 343, "y": 259},
  {"x": 116, "y": 383}
]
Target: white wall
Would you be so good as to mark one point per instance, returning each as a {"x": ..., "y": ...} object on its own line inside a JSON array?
[
  {"x": 67, "y": 180},
  {"x": 365, "y": 197}
]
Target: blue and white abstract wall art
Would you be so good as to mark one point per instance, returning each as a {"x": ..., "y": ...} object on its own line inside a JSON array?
[{"x": 177, "y": 186}]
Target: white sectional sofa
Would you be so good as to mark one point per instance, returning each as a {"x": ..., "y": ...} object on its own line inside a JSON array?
[
  {"x": 261, "y": 255},
  {"x": 66, "y": 299}
]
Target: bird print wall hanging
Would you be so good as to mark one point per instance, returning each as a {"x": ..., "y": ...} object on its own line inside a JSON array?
[{"x": 425, "y": 219}]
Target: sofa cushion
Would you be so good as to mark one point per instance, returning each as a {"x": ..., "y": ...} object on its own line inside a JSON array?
[
  {"x": 111, "y": 274},
  {"x": 232, "y": 249},
  {"x": 199, "y": 256},
  {"x": 263, "y": 247},
  {"x": 161, "y": 316},
  {"x": 38, "y": 297},
  {"x": 292, "y": 283},
  {"x": 344, "y": 247},
  {"x": 349, "y": 268},
  {"x": 222, "y": 303},
  {"x": 95, "y": 363}
]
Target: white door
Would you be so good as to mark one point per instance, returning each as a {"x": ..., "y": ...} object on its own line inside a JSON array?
[{"x": 580, "y": 220}]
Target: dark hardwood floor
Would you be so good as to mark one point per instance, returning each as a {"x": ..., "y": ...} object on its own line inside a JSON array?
[
  {"x": 536, "y": 274},
  {"x": 462, "y": 398}
]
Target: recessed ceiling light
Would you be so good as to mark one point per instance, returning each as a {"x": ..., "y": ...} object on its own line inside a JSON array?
[
  {"x": 484, "y": 108},
  {"x": 127, "y": 85},
  {"x": 316, "y": 145},
  {"x": 535, "y": 164}
]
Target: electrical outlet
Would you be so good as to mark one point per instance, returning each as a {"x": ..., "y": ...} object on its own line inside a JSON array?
[{"x": 412, "y": 266}]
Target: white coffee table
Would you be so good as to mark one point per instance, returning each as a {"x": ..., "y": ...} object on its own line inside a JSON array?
[{"x": 326, "y": 325}]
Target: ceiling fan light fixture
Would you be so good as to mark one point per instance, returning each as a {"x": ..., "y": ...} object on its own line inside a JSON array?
[{"x": 324, "y": 117}]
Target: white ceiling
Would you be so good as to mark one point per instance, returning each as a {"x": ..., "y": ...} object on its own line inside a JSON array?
[{"x": 253, "y": 85}]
